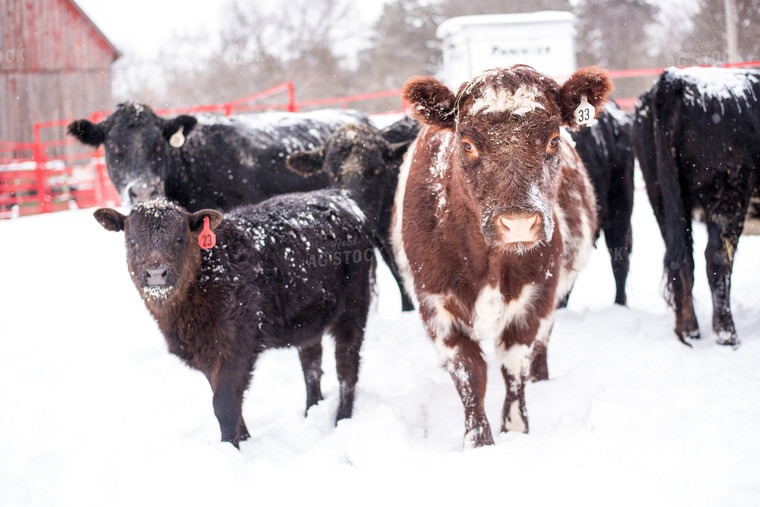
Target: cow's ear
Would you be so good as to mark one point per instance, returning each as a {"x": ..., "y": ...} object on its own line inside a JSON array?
[
  {"x": 195, "y": 220},
  {"x": 176, "y": 129},
  {"x": 432, "y": 102},
  {"x": 592, "y": 83},
  {"x": 87, "y": 132},
  {"x": 306, "y": 163},
  {"x": 110, "y": 219}
]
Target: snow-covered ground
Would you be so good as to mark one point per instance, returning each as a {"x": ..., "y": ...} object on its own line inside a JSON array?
[{"x": 94, "y": 410}]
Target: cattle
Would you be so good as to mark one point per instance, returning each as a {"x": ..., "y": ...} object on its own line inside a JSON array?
[
  {"x": 207, "y": 161},
  {"x": 607, "y": 152},
  {"x": 494, "y": 216},
  {"x": 282, "y": 273},
  {"x": 696, "y": 137},
  {"x": 365, "y": 161}
]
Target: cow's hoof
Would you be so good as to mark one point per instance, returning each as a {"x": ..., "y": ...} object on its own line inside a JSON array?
[
  {"x": 478, "y": 437},
  {"x": 688, "y": 334},
  {"x": 726, "y": 337},
  {"x": 539, "y": 368}
]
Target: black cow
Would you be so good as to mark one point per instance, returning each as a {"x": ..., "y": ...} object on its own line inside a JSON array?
[
  {"x": 207, "y": 162},
  {"x": 606, "y": 150},
  {"x": 365, "y": 161},
  {"x": 282, "y": 273},
  {"x": 696, "y": 135}
]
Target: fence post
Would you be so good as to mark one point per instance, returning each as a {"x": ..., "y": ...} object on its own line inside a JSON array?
[
  {"x": 40, "y": 173},
  {"x": 291, "y": 98}
]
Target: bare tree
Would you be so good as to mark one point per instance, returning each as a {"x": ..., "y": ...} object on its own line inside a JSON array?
[
  {"x": 706, "y": 42},
  {"x": 402, "y": 44}
]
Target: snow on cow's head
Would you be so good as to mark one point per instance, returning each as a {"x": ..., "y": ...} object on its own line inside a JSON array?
[
  {"x": 138, "y": 147},
  {"x": 506, "y": 147},
  {"x": 163, "y": 254}
]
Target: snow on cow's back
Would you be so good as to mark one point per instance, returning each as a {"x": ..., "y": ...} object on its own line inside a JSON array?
[
  {"x": 708, "y": 83},
  {"x": 291, "y": 131}
]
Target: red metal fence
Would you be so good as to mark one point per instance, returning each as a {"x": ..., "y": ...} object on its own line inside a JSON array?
[{"x": 59, "y": 173}]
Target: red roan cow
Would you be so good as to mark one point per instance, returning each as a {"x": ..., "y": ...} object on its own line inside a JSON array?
[{"x": 494, "y": 217}]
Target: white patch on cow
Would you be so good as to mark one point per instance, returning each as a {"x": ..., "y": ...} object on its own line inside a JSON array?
[
  {"x": 440, "y": 323},
  {"x": 516, "y": 361},
  {"x": 577, "y": 247},
  {"x": 491, "y": 314},
  {"x": 544, "y": 329},
  {"x": 397, "y": 237},
  {"x": 522, "y": 101}
]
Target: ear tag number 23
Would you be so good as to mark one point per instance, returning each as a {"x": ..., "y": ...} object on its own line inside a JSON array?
[
  {"x": 207, "y": 238},
  {"x": 585, "y": 112}
]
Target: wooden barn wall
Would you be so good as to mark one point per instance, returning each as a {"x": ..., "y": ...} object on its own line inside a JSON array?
[{"x": 54, "y": 65}]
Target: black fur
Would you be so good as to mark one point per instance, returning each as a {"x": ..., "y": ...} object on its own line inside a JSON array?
[
  {"x": 282, "y": 273},
  {"x": 220, "y": 165},
  {"x": 607, "y": 153},
  {"x": 365, "y": 161},
  {"x": 700, "y": 149}
]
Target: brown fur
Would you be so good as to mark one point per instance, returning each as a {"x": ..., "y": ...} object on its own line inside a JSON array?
[{"x": 461, "y": 178}]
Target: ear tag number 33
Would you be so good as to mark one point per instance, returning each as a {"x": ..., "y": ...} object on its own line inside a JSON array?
[
  {"x": 585, "y": 112},
  {"x": 207, "y": 238}
]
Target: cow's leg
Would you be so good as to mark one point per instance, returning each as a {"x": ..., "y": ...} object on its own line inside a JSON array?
[
  {"x": 229, "y": 380},
  {"x": 349, "y": 334},
  {"x": 311, "y": 364},
  {"x": 539, "y": 367},
  {"x": 387, "y": 253},
  {"x": 617, "y": 231},
  {"x": 515, "y": 362},
  {"x": 723, "y": 236},
  {"x": 463, "y": 359}
]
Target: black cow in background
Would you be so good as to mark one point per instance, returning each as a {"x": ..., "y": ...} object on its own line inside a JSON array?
[
  {"x": 365, "y": 161},
  {"x": 607, "y": 152},
  {"x": 697, "y": 138},
  {"x": 208, "y": 162}
]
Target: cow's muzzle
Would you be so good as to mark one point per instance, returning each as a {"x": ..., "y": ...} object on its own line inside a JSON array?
[{"x": 519, "y": 227}]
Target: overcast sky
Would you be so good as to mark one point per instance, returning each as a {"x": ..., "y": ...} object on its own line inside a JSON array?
[{"x": 138, "y": 27}]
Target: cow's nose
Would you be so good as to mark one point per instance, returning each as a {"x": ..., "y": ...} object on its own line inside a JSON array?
[
  {"x": 142, "y": 192},
  {"x": 156, "y": 276},
  {"x": 519, "y": 228}
]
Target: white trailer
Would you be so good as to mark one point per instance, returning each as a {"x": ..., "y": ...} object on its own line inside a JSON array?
[{"x": 544, "y": 40}]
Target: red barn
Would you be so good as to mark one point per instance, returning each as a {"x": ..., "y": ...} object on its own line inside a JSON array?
[{"x": 54, "y": 64}]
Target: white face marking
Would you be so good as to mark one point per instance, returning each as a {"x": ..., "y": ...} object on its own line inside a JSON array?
[
  {"x": 491, "y": 314},
  {"x": 520, "y": 102},
  {"x": 397, "y": 238},
  {"x": 542, "y": 206}
]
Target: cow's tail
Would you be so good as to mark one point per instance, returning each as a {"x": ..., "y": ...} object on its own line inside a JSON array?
[{"x": 676, "y": 214}]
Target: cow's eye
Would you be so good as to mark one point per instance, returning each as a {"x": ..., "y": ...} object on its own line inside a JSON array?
[
  {"x": 553, "y": 145},
  {"x": 469, "y": 149},
  {"x": 179, "y": 239}
]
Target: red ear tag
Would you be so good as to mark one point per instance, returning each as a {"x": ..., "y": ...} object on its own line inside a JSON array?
[{"x": 207, "y": 239}]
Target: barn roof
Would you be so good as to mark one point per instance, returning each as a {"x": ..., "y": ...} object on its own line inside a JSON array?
[{"x": 103, "y": 39}]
